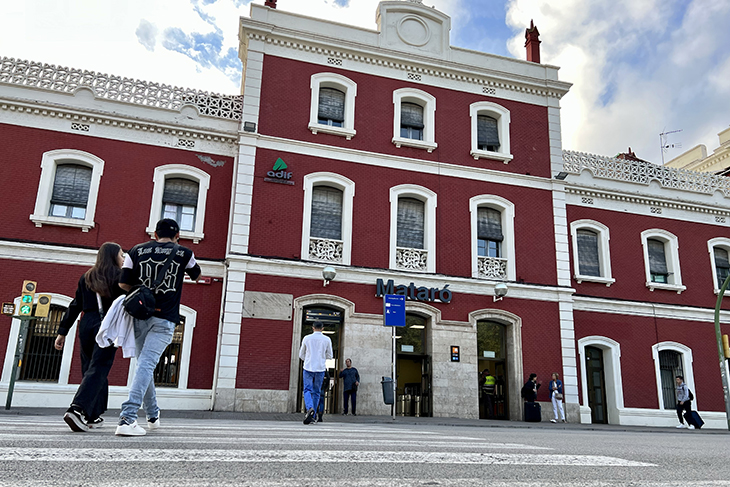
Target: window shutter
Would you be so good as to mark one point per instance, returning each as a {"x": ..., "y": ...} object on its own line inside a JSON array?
[
  {"x": 331, "y": 104},
  {"x": 657, "y": 259},
  {"x": 588, "y": 263},
  {"x": 326, "y": 213},
  {"x": 71, "y": 186},
  {"x": 179, "y": 191},
  {"x": 489, "y": 224},
  {"x": 487, "y": 133},
  {"x": 411, "y": 213},
  {"x": 411, "y": 115}
]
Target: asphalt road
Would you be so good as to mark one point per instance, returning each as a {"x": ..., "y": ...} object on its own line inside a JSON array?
[{"x": 185, "y": 452}]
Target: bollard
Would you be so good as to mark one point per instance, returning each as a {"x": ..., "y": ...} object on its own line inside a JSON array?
[{"x": 417, "y": 406}]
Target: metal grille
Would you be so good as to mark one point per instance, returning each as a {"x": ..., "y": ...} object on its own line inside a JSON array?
[
  {"x": 41, "y": 362},
  {"x": 670, "y": 365},
  {"x": 167, "y": 372}
]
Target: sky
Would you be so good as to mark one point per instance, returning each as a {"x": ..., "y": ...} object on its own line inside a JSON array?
[{"x": 638, "y": 67}]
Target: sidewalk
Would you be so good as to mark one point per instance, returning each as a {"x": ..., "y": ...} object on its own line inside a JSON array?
[{"x": 385, "y": 420}]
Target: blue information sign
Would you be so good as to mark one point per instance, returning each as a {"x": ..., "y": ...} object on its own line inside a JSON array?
[{"x": 394, "y": 310}]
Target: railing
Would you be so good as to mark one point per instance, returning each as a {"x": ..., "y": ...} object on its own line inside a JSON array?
[
  {"x": 325, "y": 249},
  {"x": 492, "y": 267},
  {"x": 67, "y": 80},
  {"x": 411, "y": 259}
]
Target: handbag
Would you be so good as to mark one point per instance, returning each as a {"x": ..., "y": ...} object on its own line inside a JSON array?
[
  {"x": 140, "y": 302},
  {"x": 558, "y": 396}
]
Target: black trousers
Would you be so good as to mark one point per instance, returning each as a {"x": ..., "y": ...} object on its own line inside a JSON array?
[
  {"x": 93, "y": 393},
  {"x": 350, "y": 396},
  {"x": 687, "y": 406}
]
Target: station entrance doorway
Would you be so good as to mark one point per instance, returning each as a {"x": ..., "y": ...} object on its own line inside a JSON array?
[
  {"x": 413, "y": 369},
  {"x": 493, "y": 372},
  {"x": 333, "y": 322}
]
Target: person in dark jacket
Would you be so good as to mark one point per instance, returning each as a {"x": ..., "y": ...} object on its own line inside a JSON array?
[
  {"x": 351, "y": 379},
  {"x": 97, "y": 289},
  {"x": 529, "y": 390}
]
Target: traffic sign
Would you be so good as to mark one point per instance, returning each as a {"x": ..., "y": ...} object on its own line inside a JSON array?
[{"x": 394, "y": 310}]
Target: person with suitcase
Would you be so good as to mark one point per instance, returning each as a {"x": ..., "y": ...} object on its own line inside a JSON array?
[
  {"x": 684, "y": 404},
  {"x": 533, "y": 411}
]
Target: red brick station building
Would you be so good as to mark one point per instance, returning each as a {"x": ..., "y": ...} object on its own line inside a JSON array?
[{"x": 405, "y": 164}]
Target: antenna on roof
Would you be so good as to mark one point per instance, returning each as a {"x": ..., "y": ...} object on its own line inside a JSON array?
[{"x": 665, "y": 145}]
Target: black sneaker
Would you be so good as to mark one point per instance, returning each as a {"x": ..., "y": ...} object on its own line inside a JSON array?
[
  {"x": 309, "y": 417},
  {"x": 75, "y": 420},
  {"x": 96, "y": 423}
]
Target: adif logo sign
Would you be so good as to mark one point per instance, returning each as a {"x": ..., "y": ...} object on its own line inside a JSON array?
[{"x": 279, "y": 173}]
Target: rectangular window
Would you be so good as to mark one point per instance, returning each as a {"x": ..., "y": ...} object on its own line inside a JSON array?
[
  {"x": 722, "y": 265},
  {"x": 71, "y": 191},
  {"x": 180, "y": 201},
  {"x": 487, "y": 133},
  {"x": 489, "y": 232},
  {"x": 326, "y": 213},
  {"x": 411, "y": 121},
  {"x": 331, "y": 108},
  {"x": 588, "y": 264},
  {"x": 657, "y": 261},
  {"x": 411, "y": 214}
]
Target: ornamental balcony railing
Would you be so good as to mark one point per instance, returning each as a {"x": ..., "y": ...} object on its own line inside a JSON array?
[
  {"x": 325, "y": 249},
  {"x": 67, "y": 80},
  {"x": 492, "y": 267},
  {"x": 411, "y": 259}
]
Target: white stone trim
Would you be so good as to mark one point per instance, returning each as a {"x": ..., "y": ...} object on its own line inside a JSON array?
[
  {"x": 604, "y": 254},
  {"x": 50, "y": 160},
  {"x": 502, "y": 115},
  {"x": 347, "y": 187},
  {"x": 429, "y": 225},
  {"x": 612, "y": 376},
  {"x": 187, "y": 172},
  {"x": 428, "y": 102},
  {"x": 689, "y": 377},
  {"x": 560, "y": 224},
  {"x": 68, "y": 348},
  {"x": 658, "y": 310},
  {"x": 723, "y": 243},
  {"x": 671, "y": 252},
  {"x": 339, "y": 82},
  {"x": 507, "y": 210}
]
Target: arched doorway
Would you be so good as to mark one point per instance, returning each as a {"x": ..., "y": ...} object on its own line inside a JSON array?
[
  {"x": 332, "y": 318},
  {"x": 413, "y": 368},
  {"x": 492, "y": 362}
]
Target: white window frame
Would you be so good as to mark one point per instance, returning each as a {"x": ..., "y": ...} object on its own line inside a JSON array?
[
  {"x": 347, "y": 187},
  {"x": 188, "y": 172},
  {"x": 604, "y": 254},
  {"x": 671, "y": 252},
  {"x": 687, "y": 360},
  {"x": 50, "y": 160},
  {"x": 502, "y": 115},
  {"x": 68, "y": 347},
  {"x": 191, "y": 317},
  {"x": 429, "y": 198},
  {"x": 339, "y": 82},
  {"x": 507, "y": 210},
  {"x": 723, "y": 243},
  {"x": 428, "y": 102}
]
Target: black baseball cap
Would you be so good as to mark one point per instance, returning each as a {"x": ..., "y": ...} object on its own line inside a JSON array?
[{"x": 167, "y": 228}]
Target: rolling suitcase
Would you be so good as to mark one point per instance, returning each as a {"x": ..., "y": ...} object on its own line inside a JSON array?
[
  {"x": 694, "y": 419},
  {"x": 533, "y": 412}
]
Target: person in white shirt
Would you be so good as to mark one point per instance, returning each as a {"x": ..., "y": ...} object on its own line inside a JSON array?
[{"x": 316, "y": 349}]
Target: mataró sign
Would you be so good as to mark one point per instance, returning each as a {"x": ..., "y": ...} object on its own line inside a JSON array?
[{"x": 412, "y": 292}]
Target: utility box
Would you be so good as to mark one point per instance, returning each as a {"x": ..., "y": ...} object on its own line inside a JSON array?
[{"x": 388, "y": 394}]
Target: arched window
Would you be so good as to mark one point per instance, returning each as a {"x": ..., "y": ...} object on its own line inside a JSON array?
[
  {"x": 661, "y": 260},
  {"x": 332, "y": 106},
  {"x": 719, "y": 249},
  {"x": 412, "y": 224},
  {"x": 493, "y": 238},
  {"x": 670, "y": 360},
  {"x": 414, "y": 119},
  {"x": 490, "y": 131},
  {"x": 180, "y": 201},
  {"x": 591, "y": 255}
]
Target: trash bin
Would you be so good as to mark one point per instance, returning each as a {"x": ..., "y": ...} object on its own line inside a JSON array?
[{"x": 388, "y": 390}]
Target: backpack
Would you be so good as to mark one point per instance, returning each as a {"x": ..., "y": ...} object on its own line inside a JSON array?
[{"x": 691, "y": 396}]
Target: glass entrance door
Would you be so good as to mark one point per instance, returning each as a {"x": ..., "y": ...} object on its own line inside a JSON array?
[
  {"x": 492, "y": 362},
  {"x": 413, "y": 369},
  {"x": 596, "y": 385}
]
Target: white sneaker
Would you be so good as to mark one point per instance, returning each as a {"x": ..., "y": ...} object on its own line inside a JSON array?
[
  {"x": 154, "y": 423},
  {"x": 681, "y": 425},
  {"x": 553, "y": 421},
  {"x": 690, "y": 427},
  {"x": 129, "y": 429}
]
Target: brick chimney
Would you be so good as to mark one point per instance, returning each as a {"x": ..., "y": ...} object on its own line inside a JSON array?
[
  {"x": 270, "y": 3},
  {"x": 532, "y": 43}
]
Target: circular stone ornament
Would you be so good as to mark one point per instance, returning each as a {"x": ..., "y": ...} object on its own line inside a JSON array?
[{"x": 413, "y": 30}]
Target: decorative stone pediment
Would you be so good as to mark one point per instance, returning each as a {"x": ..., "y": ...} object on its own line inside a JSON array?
[{"x": 411, "y": 26}]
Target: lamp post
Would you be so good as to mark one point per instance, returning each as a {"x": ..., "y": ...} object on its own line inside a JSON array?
[{"x": 720, "y": 350}]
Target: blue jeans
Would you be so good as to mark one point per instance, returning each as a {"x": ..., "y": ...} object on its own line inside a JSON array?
[
  {"x": 312, "y": 383},
  {"x": 151, "y": 338}
]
